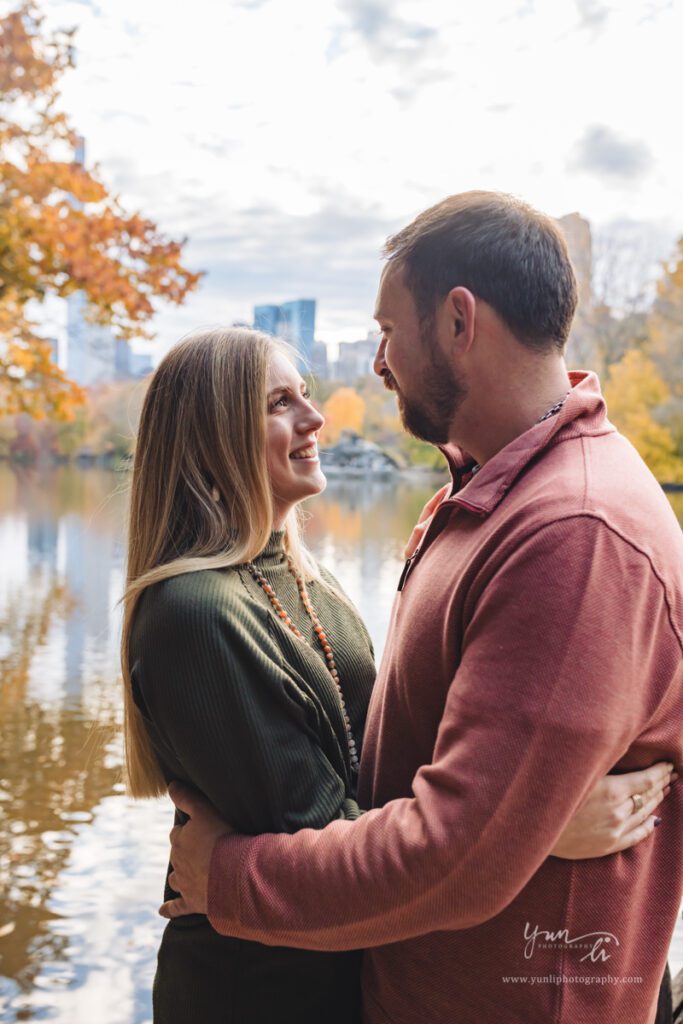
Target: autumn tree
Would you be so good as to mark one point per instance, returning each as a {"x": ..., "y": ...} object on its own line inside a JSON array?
[
  {"x": 666, "y": 323},
  {"x": 343, "y": 410},
  {"x": 634, "y": 392},
  {"x": 61, "y": 230}
]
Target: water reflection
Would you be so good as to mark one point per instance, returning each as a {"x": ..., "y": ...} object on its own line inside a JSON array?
[
  {"x": 81, "y": 866},
  {"x": 57, "y": 725}
]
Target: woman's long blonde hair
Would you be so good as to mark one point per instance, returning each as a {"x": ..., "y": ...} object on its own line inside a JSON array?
[{"x": 202, "y": 430}]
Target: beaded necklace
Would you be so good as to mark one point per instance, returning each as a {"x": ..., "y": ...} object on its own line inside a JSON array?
[
  {"x": 553, "y": 411},
  {"x": 322, "y": 639}
]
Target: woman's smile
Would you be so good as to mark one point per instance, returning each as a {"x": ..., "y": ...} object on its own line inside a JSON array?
[{"x": 307, "y": 454}]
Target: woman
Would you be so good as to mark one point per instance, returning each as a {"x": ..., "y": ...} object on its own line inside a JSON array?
[{"x": 247, "y": 671}]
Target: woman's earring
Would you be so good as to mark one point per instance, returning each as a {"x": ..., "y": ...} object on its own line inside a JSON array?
[{"x": 215, "y": 493}]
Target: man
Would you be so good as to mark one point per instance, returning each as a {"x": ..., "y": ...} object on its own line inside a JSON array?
[{"x": 535, "y": 644}]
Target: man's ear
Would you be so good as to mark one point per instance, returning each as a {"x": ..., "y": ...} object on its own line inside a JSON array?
[{"x": 461, "y": 308}]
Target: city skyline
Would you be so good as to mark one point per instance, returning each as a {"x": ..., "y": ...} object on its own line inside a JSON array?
[
  {"x": 288, "y": 141},
  {"x": 294, "y": 321},
  {"x": 106, "y": 358}
]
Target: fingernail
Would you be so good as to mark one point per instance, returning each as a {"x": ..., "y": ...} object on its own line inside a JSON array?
[
  {"x": 673, "y": 777},
  {"x": 658, "y": 821},
  {"x": 666, "y": 791}
]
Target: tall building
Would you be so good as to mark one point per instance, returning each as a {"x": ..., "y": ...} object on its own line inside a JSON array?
[
  {"x": 266, "y": 319},
  {"x": 141, "y": 364},
  {"x": 122, "y": 359},
  {"x": 356, "y": 358},
  {"x": 297, "y": 320},
  {"x": 90, "y": 348},
  {"x": 577, "y": 233},
  {"x": 582, "y": 351},
  {"x": 129, "y": 363},
  {"x": 320, "y": 361},
  {"x": 294, "y": 321}
]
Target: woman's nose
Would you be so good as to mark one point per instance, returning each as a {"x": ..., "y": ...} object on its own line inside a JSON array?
[{"x": 312, "y": 420}]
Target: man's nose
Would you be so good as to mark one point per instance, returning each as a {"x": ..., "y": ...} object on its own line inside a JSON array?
[{"x": 378, "y": 364}]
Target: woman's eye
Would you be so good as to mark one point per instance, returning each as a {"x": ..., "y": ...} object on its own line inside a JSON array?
[{"x": 283, "y": 401}]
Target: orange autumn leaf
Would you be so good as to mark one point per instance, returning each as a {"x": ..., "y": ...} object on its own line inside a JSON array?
[{"x": 61, "y": 231}]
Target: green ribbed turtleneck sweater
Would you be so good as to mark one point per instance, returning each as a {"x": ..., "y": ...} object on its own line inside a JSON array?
[{"x": 239, "y": 707}]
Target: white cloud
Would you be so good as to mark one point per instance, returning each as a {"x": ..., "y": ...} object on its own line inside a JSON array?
[
  {"x": 287, "y": 139},
  {"x": 602, "y": 151},
  {"x": 593, "y": 13}
]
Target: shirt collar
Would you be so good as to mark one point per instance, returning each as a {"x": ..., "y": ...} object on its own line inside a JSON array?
[{"x": 583, "y": 413}]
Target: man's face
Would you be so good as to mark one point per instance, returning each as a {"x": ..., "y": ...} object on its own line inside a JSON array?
[{"x": 412, "y": 363}]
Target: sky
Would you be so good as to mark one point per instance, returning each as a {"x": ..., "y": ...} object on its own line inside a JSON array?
[{"x": 287, "y": 138}]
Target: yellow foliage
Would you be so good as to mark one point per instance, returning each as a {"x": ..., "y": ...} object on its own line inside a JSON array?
[
  {"x": 633, "y": 392},
  {"x": 665, "y": 324},
  {"x": 343, "y": 410},
  {"x": 60, "y": 229}
]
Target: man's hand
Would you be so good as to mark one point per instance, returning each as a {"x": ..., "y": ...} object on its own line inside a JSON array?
[{"x": 191, "y": 849}]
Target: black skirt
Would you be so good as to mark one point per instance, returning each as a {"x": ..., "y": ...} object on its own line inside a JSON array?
[{"x": 206, "y": 978}]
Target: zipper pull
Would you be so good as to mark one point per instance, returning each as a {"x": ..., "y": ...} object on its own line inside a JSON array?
[{"x": 405, "y": 571}]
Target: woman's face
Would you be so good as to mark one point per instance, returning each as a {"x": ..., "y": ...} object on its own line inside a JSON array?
[{"x": 291, "y": 440}]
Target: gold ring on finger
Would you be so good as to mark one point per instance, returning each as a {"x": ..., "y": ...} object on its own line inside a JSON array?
[{"x": 637, "y": 802}]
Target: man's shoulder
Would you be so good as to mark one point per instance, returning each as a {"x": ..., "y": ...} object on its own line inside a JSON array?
[
  {"x": 603, "y": 478},
  {"x": 588, "y": 486}
]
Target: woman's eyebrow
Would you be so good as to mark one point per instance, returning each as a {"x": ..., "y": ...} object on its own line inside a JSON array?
[{"x": 281, "y": 388}]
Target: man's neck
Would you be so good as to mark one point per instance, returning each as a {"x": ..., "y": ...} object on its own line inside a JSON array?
[{"x": 508, "y": 409}]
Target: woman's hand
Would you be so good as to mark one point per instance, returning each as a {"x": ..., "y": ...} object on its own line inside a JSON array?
[
  {"x": 609, "y": 819},
  {"x": 426, "y": 516}
]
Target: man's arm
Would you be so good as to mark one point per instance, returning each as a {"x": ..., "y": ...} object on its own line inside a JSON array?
[{"x": 568, "y": 654}]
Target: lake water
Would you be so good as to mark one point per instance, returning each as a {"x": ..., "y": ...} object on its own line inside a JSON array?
[{"x": 81, "y": 865}]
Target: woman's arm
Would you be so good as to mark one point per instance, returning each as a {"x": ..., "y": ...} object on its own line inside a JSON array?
[{"x": 609, "y": 819}]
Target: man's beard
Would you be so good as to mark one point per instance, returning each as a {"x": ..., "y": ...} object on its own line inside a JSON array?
[{"x": 429, "y": 418}]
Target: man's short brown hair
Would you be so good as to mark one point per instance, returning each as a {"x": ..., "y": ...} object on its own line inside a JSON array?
[{"x": 501, "y": 249}]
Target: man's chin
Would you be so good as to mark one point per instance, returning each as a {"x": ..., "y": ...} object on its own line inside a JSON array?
[{"x": 416, "y": 424}]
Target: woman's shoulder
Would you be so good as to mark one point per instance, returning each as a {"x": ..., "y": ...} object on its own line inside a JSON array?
[
  {"x": 202, "y": 585},
  {"x": 179, "y": 601}
]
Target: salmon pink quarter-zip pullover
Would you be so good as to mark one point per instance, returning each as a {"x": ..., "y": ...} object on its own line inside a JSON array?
[{"x": 534, "y": 646}]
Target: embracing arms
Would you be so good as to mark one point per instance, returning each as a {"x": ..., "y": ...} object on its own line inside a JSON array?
[{"x": 511, "y": 764}]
